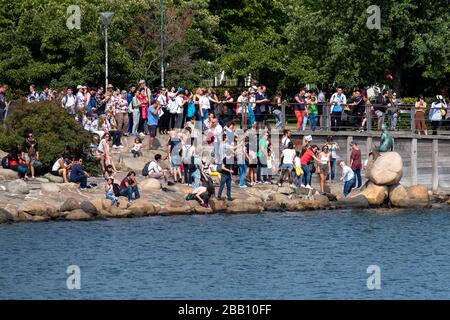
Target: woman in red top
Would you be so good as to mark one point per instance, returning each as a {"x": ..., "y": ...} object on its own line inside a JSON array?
[
  {"x": 16, "y": 163},
  {"x": 305, "y": 160},
  {"x": 143, "y": 127}
]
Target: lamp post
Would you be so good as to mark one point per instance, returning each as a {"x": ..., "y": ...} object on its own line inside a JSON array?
[
  {"x": 161, "y": 8},
  {"x": 106, "y": 16}
]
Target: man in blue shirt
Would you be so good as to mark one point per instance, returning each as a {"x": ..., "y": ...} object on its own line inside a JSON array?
[
  {"x": 153, "y": 117},
  {"x": 130, "y": 95},
  {"x": 261, "y": 108},
  {"x": 78, "y": 175}
]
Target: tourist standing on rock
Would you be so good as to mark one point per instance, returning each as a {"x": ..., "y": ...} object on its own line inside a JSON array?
[
  {"x": 153, "y": 118},
  {"x": 121, "y": 113},
  {"x": 287, "y": 164},
  {"x": 333, "y": 147},
  {"x": 421, "y": 107},
  {"x": 286, "y": 139},
  {"x": 136, "y": 105},
  {"x": 30, "y": 152},
  {"x": 130, "y": 96},
  {"x": 104, "y": 151},
  {"x": 356, "y": 163},
  {"x": 61, "y": 168},
  {"x": 69, "y": 102},
  {"x": 174, "y": 151},
  {"x": 263, "y": 154},
  {"x": 227, "y": 173},
  {"x": 109, "y": 190},
  {"x": 305, "y": 160},
  {"x": 78, "y": 175},
  {"x": 180, "y": 106},
  {"x": 324, "y": 166},
  {"x": 348, "y": 177},
  {"x": 33, "y": 96},
  {"x": 144, "y": 104},
  {"x": 165, "y": 117},
  {"x": 129, "y": 187},
  {"x": 242, "y": 160}
]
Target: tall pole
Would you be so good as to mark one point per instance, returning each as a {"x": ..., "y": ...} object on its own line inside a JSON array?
[
  {"x": 161, "y": 6},
  {"x": 106, "y": 58}
]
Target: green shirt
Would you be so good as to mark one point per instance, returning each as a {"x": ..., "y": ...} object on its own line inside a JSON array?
[
  {"x": 312, "y": 110},
  {"x": 262, "y": 145}
]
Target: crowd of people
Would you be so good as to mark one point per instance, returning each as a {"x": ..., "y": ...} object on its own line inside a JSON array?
[{"x": 212, "y": 139}]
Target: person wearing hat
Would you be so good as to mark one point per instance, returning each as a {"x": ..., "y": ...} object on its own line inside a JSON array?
[
  {"x": 179, "y": 102},
  {"x": 147, "y": 91}
]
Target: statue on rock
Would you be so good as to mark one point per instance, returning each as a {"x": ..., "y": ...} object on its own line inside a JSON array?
[{"x": 386, "y": 143}]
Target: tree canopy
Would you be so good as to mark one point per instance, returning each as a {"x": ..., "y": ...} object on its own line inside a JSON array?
[{"x": 282, "y": 43}]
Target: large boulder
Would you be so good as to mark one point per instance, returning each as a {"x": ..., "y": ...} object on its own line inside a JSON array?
[
  {"x": 101, "y": 204},
  {"x": 150, "y": 185},
  {"x": 5, "y": 216},
  {"x": 50, "y": 188},
  {"x": 356, "y": 202},
  {"x": 412, "y": 197},
  {"x": 375, "y": 194},
  {"x": 128, "y": 163},
  {"x": 218, "y": 206},
  {"x": 17, "y": 186},
  {"x": 142, "y": 207},
  {"x": 242, "y": 206},
  {"x": 88, "y": 207},
  {"x": 78, "y": 215},
  {"x": 54, "y": 179},
  {"x": 70, "y": 204},
  {"x": 7, "y": 174},
  {"x": 278, "y": 197},
  {"x": 386, "y": 170},
  {"x": 39, "y": 208},
  {"x": 117, "y": 212},
  {"x": 176, "y": 209},
  {"x": 285, "y": 190}
]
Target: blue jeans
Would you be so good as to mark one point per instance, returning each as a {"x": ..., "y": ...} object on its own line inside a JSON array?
[
  {"x": 307, "y": 177},
  {"x": 112, "y": 198},
  {"x": 226, "y": 179},
  {"x": 348, "y": 186},
  {"x": 358, "y": 177},
  {"x": 196, "y": 179},
  {"x": 313, "y": 120},
  {"x": 242, "y": 174},
  {"x": 82, "y": 180},
  {"x": 205, "y": 116},
  {"x": 128, "y": 192},
  {"x": 333, "y": 168},
  {"x": 277, "y": 115}
]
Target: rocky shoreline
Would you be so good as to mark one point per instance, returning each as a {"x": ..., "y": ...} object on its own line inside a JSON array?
[{"x": 47, "y": 198}]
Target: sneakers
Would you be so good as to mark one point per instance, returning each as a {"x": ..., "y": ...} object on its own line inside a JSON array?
[
  {"x": 308, "y": 187},
  {"x": 279, "y": 184},
  {"x": 115, "y": 147},
  {"x": 293, "y": 186},
  {"x": 121, "y": 147},
  {"x": 266, "y": 182},
  {"x": 243, "y": 187},
  {"x": 303, "y": 186}
]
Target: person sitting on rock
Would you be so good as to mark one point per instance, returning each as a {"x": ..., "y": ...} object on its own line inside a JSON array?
[
  {"x": 110, "y": 194},
  {"x": 78, "y": 175},
  {"x": 61, "y": 167},
  {"x": 129, "y": 186},
  {"x": 156, "y": 172},
  {"x": 15, "y": 162},
  {"x": 202, "y": 194},
  {"x": 109, "y": 172}
]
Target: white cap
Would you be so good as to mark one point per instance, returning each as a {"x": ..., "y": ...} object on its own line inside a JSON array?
[{"x": 141, "y": 81}]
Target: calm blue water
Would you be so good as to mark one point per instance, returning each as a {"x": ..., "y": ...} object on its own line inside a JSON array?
[{"x": 320, "y": 255}]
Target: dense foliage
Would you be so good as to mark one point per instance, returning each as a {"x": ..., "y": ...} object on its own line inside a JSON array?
[
  {"x": 282, "y": 43},
  {"x": 54, "y": 129}
]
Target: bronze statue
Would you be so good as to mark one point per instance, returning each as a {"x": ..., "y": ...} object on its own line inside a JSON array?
[{"x": 386, "y": 143}]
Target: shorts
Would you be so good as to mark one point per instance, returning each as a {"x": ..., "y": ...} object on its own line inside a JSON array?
[
  {"x": 152, "y": 131},
  {"x": 287, "y": 166},
  {"x": 27, "y": 158},
  {"x": 379, "y": 113},
  {"x": 55, "y": 173},
  {"x": 324, "y": 169}
]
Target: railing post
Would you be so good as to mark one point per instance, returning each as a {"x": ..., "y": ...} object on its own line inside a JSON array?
[
  {"x": 414, "y": 161},
  {"x": 283, "y": 114},
  {"x": 326, "y": 109},
  {"x": 435, "y": 166},
  {"x": 413, "y": 119},
  {"x": 369, "y": 118}
]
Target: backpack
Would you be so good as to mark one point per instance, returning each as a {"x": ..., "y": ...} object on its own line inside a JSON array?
[
  {"x": 145, "y": 169},
  {"x": 5, "y": 162},
  {"x": 116, "y": 189}
]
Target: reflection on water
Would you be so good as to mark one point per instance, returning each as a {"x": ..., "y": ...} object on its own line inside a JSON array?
[{"x": 319, "y": 255}]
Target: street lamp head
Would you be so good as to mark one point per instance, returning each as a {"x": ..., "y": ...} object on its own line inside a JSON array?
[{"x": 106, "y": 16}]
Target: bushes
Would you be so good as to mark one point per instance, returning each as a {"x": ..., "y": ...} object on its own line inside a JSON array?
[{"x": 54, "y": 129}]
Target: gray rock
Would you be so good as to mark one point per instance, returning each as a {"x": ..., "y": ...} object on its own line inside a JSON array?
[
  {"x": 357, "y": 202},
  {"x": 17, "y": 187},
  {"x": 5, "y": 216},
  {"x": 42, "y": 180},
  {"x": 88, "y": 207},
  {"x": 70, "y": 204},
  {"x": 7, "y": 174},
  {"x": 50, "y": 188},
  {"x": 53, "y": 178},
  {"x": 78, "y": 215}
]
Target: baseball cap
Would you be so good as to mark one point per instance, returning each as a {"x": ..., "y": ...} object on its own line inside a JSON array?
[{"x": 141, "y": 81}]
